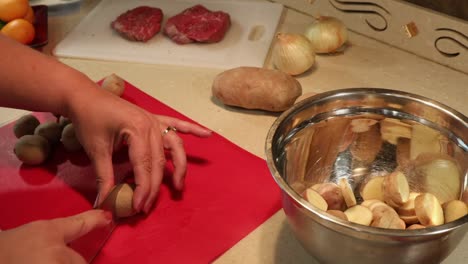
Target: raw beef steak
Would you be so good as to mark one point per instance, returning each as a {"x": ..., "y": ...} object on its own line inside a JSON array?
[
  {"x": 197, "y": 24},
  {"x": 140, "y": 23}
]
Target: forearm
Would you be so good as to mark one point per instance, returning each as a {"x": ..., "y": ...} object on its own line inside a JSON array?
[{"x": 33, "y": 81}]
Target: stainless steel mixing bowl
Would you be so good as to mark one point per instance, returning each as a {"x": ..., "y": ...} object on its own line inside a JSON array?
[{"x": 311, "y": 143}]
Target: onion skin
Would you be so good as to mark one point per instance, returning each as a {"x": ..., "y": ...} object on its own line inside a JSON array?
[
  {"x": 327, "y": 34},
  {"x": 293, "y": 53}
]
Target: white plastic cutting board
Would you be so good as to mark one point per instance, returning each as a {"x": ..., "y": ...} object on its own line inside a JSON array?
[{"x": 253, "y": 26}]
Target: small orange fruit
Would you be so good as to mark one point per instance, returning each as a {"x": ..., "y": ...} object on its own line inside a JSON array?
[
  {"x": 12, "y": 9},
  {"x": 20, "y": 30},
  {"x": 30, "y": 15}
]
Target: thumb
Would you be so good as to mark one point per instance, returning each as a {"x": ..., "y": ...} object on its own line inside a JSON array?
[{"x": 79, "y": 225}]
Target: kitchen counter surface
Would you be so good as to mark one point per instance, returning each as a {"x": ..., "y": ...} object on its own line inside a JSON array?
[{"x": 364, "y": 63}]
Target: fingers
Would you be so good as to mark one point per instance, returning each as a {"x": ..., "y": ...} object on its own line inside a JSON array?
[
  {"x": 104, "y": 173},
  {"x": 159, "y": 162},
  {"x": 78, "y": 225},
  {"x": 179, "y": 158},
  {"x": 185, "y": 127},
  {"x": 148, "y": 164}
]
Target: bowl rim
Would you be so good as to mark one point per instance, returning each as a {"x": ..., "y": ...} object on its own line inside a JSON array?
[{"x": 336, "y": 222}]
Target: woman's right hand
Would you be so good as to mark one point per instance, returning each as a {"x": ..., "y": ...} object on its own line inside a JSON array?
[{"x": 45, "y": 241}]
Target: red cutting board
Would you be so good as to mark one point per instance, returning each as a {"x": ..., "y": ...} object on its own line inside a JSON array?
[{"x": 228, "y": 193}]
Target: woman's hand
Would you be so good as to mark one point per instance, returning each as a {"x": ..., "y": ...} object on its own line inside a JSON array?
[
  {"x": 46, "y": 241},
  {"x": 104, "y": 121}
]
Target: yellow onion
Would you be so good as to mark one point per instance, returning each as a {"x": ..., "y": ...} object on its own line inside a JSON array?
[
  {"x": 293, "y": 53},
  {"x": 327, "y": 34}
]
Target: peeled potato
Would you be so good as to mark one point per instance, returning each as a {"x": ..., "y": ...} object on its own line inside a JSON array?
[
  {"x": 69, "y": 139},
  {"x": 49, "y": 130},
  {"x": 120, "y": 201},
  {"x": 25, "y": 125},
  {"x": 32, "y": 149},
  {"x": 114, "y": 84}
]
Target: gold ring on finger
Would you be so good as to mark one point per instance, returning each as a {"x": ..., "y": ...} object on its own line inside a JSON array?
[{"x": 169, "y": 129}]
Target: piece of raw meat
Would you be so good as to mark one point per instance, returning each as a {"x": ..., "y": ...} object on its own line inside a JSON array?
[
  {"x": 140, "y": 23},
  {"x": 197, "y": 24}
]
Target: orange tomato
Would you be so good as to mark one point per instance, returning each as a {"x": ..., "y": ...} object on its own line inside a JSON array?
[
  {"x": 30, "y": 15},
  {"x": 12, "y": 9},
  {"x": 20, "y": 30}
]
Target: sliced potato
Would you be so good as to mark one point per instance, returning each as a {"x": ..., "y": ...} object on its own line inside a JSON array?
[
  {"x": 338, "y": 213},
  {"x": 359, "y": 125},
  {"x": 359, "y": 214},
  {"x": 454, "y": 210},
  {"x": 440, "y": 175},
  {"x": 407, "y": 209},
  {"x": 315, "y": 199},
  {"x": 411, "y": 219},
  {"x": 372, "y": 203},
  {"x": 373, "y": 189},
  {"x": 424, "y": 140},
  {"x": 332, "y": 195},
  {"x": 367, "y": 145},
  {"x": 392, "y": 129},
  {"x": 396, "y": 189},
  {"x": 428, "y": 210},
  {"x": 347, "y": 191},
  {"x": 415, "y": 226},
  {"x": 403, "y": 151},
  {"x": 388, "y": 219}
]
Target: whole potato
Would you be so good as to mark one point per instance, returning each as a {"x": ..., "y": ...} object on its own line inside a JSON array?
[
  {"x": 114, "y": 84},
  {"x": 25, "y": 125},
  {"x": 32, "y": 149},
  {"x": 256, "y": 88},
  {"x": 69, "y": 139},
  {"x": 120, "y": 200},
  {"x": 49, "y": 130}
]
